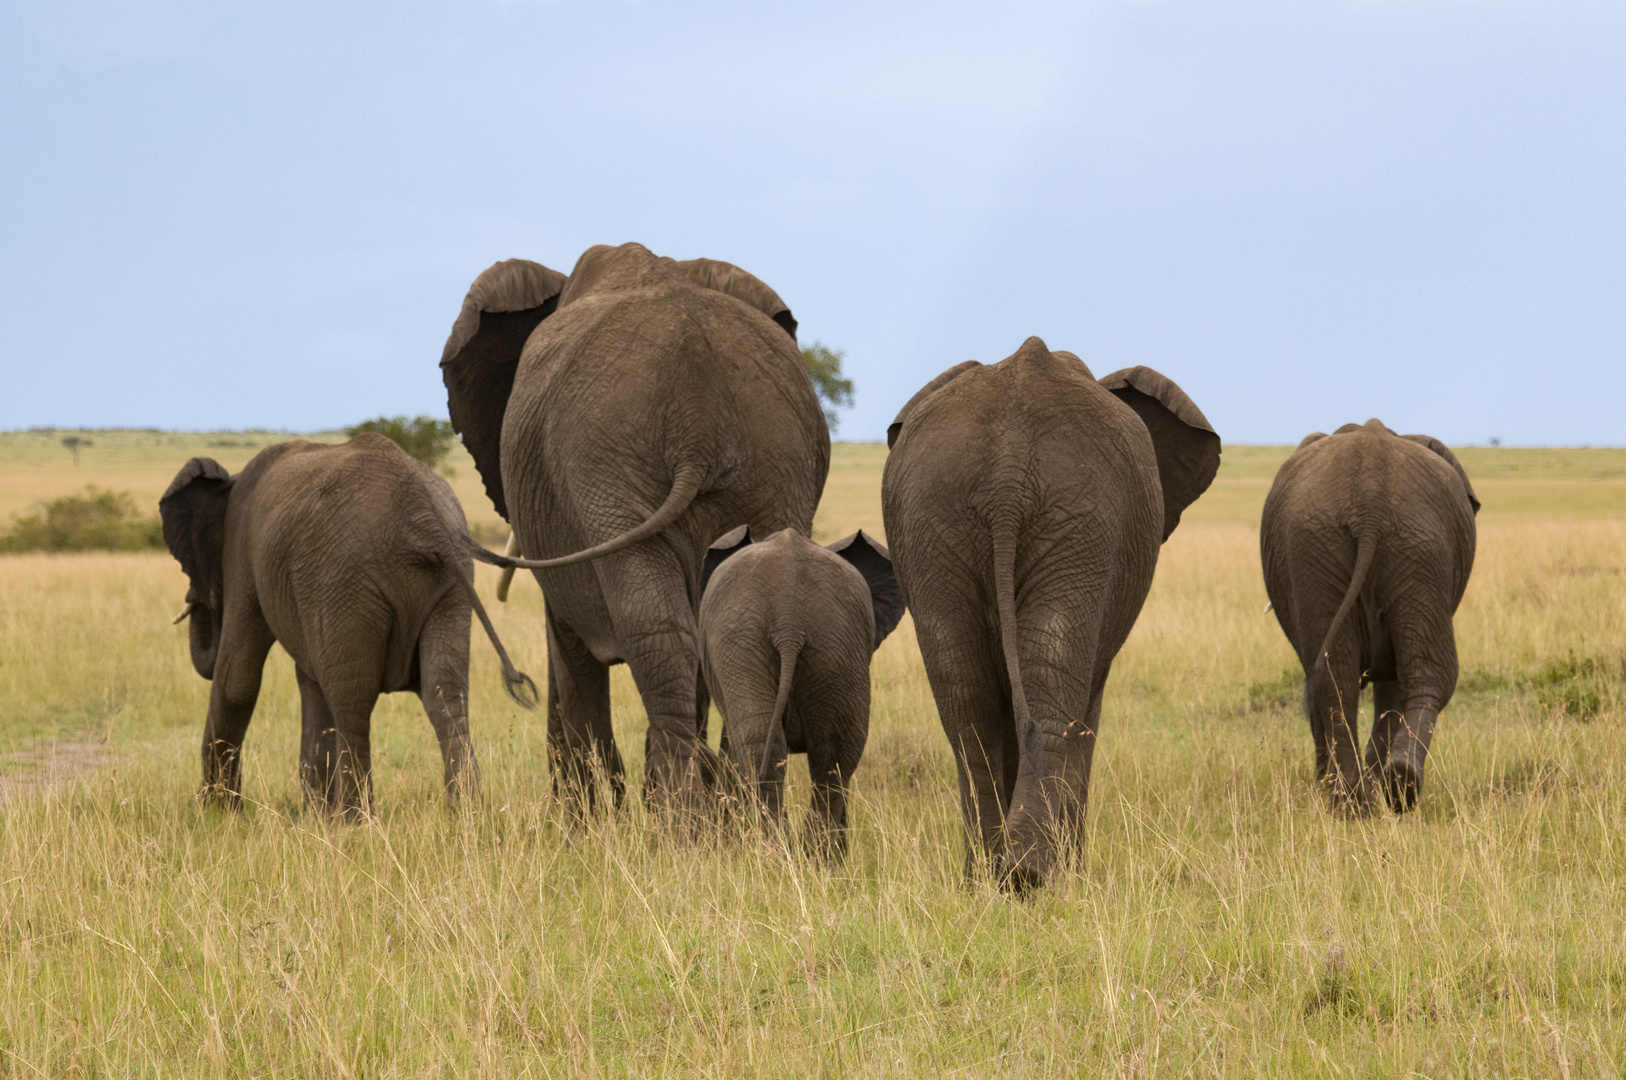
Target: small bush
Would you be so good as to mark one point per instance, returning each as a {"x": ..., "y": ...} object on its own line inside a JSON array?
[
  {"x": 1572, "y": 684},
  {"x": 95, "y": 521},
  {"x": 423, "y": 437}
]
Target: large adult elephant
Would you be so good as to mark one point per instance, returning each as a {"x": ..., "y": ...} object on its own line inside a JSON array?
[
  {"x": 1367, "y": 542},
  {"x": 622, "y": 419},
  {"x": 1025, "y": 503}
]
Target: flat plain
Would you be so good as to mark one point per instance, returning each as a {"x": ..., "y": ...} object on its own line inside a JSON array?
[{"x": 1222, "y": 922}]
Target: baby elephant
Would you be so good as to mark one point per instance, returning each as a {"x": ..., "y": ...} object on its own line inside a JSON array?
[
  {"x": 787, "y": 629},
  {"x": 354, "y": 558},
  {"x": 1367, "y": 542}
]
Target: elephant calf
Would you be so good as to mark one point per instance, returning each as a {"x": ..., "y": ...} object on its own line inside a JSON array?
[
  {"x": 787, "y": 629},
  {"x": 353, "y": 557},
  {"x": 1367, "y": 543}
]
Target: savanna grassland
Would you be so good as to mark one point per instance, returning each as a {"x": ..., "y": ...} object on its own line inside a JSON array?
[{"x": 1223, "y": 924}]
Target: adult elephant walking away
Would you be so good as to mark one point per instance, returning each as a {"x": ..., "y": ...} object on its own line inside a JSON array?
[
  {"x": 1367, "y": 542},
  {"x": 1025, "y": 504},
  {"x": 622, "y": 419},
  {"x": 353, "y": 557}
]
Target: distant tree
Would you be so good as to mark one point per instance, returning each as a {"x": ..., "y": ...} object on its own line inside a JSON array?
[
  {"x": 426, "y": 439},
  {"x": 73, "y": 443},
  {"x": 824, "y": 368}
]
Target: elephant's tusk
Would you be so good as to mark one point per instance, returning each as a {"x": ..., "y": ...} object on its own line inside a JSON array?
[
  {"x": 511, "y": 549},
  {"x": 1268, "y": 605},
  {"x": 185, "y": 611}
]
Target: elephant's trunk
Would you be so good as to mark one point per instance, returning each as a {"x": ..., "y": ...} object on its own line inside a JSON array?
[{"x": 203, "y": 637}]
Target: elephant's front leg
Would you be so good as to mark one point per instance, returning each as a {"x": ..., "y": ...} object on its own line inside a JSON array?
[
  {"x": 235, "y": 689},
  {"x": 581, "y": 741}
]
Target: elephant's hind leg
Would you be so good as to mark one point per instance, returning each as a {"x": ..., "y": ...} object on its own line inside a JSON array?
[
  {"x": 344, "y": 753},
  {"x": 581, "y": 741},
  {"x": 443, "y": 664},
  {"x": 1335, "y": 701}
]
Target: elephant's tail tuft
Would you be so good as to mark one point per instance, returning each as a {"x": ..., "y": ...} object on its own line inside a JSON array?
[
  {"x": 1366, "y": 549},
  {"x": 1027, "y": 729},
  {"x": 517, "y": 684}
]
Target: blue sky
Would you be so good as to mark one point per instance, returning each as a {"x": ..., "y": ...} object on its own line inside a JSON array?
[{"x": 1306, "y": 213}]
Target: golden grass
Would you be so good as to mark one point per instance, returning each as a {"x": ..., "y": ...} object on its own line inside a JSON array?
[{"x": 1222, "y": 924}]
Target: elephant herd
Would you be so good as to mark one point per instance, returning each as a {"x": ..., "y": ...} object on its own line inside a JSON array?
[{"x": 649, "y": 430}]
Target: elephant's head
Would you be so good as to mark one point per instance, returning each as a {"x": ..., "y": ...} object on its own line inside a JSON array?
[
  {"x": 510, "y": 300},
  {"x": 193, "y": 510},
  {"x": 872, "y": 560},
  {"x": 1187, "y": 447},
  {"x": 1428, "y": 442}
]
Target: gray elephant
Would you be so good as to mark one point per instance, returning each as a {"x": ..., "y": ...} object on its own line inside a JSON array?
[
  {"x": 787, "y": 628},
  {"x": 1025, "y": 503},
  {"x": 1367, "y": 542},
  {"x": 622, "y": 419},
  {"x": 353, "y": 557}
]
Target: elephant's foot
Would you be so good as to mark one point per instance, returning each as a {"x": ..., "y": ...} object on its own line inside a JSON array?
[
  {"x": 1028, "y": 857},
  {"x": 681, "y": 781},
  {"x": 1402, "y": 781},
  {"x": 1350, "y": 801}
]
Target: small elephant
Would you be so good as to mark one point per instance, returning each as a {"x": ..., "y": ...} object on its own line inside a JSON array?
[
  {"x": 1367, "y": 542},
  {"x": 1025, "y": 503},
  {"x": 787, "y": 629},
  {"x": 354, "y": 558}
]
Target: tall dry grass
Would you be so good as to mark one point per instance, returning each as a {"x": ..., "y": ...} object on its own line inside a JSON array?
[{"x": 1221, "y": 924}]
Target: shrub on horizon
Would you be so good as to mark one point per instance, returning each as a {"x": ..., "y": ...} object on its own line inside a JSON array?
[{"x": 97, "y": 520}]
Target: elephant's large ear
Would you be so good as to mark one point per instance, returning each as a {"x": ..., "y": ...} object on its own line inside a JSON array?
[
  {"x": 193, "y": 511},
  {"x": 728, "y": 278},
  {"x": 502, "y": 308},
  {"x": 1188, "y": 448},
  {"x": 724, "y": 546},
  {"x": 896, "y": 427},
  {"x": 875, "y": 563},
  {"x": 1444, "y": 451},
  {"x": 1313, "y": 437}
]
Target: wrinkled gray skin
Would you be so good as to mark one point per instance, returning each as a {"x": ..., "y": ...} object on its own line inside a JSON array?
[
  {"x": 787, "y": 628},
  {"x": 1367, "y": 542},
  {"x": 353, "y": 558},
  {"x": 622, "y": 419},
  {"x": 1025, "y": 504}
]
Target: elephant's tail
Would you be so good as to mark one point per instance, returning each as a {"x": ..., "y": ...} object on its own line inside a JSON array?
[
  {"x": 1027, "y": 729},
  {"x": 516, "y": 682},
  {"x": 788, "y": 652},
  {"x": 1366, "y": 549},
  {"x": 685, "y": 486}
]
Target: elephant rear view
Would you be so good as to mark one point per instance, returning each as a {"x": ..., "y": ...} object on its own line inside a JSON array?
[
  {"x": 622, "y": 419},
  {"x": 1367, "y": 543},
  {"x": 1025, "y": 504},
  {"x": 787, "y": 628},
  {"x": 353, "y": 558}
]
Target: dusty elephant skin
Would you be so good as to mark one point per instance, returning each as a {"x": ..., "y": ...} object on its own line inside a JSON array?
[
  {"x": 1367, "y": 542},
  {"x": 622, "y": 419},
  {"x": 1025, "y": 503},
  {"x": 787, "y": 629},
  {"x": 353, "y": 558}
]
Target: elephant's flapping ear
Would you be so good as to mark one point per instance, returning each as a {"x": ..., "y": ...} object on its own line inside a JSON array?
[
  {"x": 874, "y": 561},
  {"x": 724, "y": 546},
  {"x": 1444, "y": 451},
  {"x": 752, "y": 290},
  {"x": 501, "y": 309},
  {"x": 1188, "y": 449},
  {"x": 193, "y": 512},
  {"x": 896, "y": 427},
  {"x": 1313, "y": 437}
]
